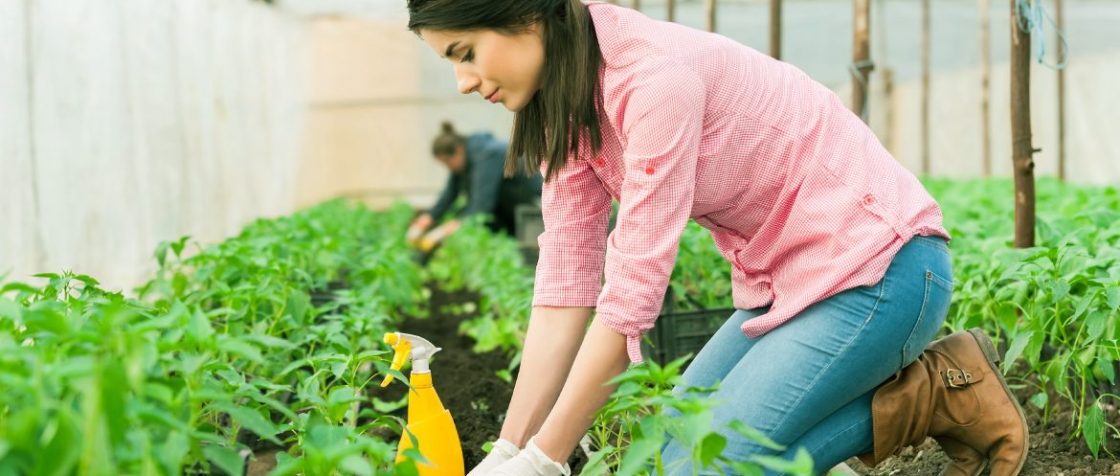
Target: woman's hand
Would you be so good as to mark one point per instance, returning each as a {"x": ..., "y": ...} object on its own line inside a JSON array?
[
  {"x": 503, "y": 451},
  {"x": 417, "y": 228},
  {"x": 531, "y": 461},
  {"x": 437, "y": 235}
]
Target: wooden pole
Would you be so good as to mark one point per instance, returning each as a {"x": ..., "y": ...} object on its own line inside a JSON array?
[
  {"x": 710, "y": 9},
  {"x": 636, "y": 4},
  {"x": 671, "y": 6},
  {"x": 986, "y": 86},
  {"x": 925, "y": 87},
  {"x": 861, "y": 56},
  {"x": 1060, "y": 14},
  {"x": 776, "y": 29},
  {"x": 1022, "y": 151}
]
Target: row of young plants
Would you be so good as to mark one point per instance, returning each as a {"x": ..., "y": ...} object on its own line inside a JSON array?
[
  {"x": 1056, "y": 306},
  {"x": 222, "y": 354}
]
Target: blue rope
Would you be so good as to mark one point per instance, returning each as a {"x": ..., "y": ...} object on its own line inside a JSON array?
[{"x": 1033, "y": 18}]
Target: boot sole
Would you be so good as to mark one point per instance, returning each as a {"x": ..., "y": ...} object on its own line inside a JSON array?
[{"x": 994, "y": 359}]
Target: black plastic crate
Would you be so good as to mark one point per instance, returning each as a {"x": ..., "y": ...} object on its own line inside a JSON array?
[
  {"x": 528, "y": 224},
  {"x": 679, "y": 333}
]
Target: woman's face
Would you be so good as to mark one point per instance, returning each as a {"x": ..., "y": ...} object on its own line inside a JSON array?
[
  {"x": 455, "y": 162},
  {"x": 499, "y": 67}
]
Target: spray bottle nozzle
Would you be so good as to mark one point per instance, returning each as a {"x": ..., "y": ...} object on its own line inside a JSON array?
[{"x": 409, "y": 346}]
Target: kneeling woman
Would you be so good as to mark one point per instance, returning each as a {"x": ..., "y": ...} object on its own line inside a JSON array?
[
  {"x": 476, "y": 164},
  {"x": 839, "y": 257}
]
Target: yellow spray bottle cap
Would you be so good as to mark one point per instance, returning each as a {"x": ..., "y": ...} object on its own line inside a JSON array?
[{"x": 408, "y": 346}]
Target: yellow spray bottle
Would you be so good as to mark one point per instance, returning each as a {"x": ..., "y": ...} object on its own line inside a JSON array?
[{"x": 428, "y": 420}]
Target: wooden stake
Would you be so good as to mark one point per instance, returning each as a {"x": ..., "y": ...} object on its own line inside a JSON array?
[
  {"x": 671, "y": 6},
  {"x": 986, "y": 86},
  {"x": 1060, "y": 14},
  {"x": 636, "y": 4},
  {"x": 1022, "y": 151},
  {"x": 776, "y": 29},
  {"x": 710, "y": 9},
  {"x": 861, "y": 56},
  {"x": 925, "y": 87}
]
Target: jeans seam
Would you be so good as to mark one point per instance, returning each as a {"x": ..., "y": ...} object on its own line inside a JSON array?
[
  {"x": 848, "y": 344},
  {"x": 921, "y": 317}
]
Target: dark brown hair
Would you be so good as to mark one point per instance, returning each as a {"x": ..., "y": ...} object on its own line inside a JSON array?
[
  {"x": 565, "y": 110},
  {"x": 447, "y": 141}
]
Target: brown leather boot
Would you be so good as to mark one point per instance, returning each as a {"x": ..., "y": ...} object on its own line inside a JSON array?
[{"x": 955, "y": 393}]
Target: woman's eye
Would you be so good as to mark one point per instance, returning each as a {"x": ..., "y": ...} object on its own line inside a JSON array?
[{"x": 468, "y": 56}]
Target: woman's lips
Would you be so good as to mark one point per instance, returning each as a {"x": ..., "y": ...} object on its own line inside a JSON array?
[{"x": 493, "y": 97}]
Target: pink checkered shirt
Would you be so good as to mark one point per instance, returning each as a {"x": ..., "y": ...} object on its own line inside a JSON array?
[{"x": 799, "y": 195}]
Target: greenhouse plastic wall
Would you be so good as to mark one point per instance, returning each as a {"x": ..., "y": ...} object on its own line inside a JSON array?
[{"x": 124, "y": 123}]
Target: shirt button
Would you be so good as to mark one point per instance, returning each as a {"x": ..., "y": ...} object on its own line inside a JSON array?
[
  {"x": 649, "y": 170},
  {"x": 868, "y": 199},
  {"x": 600, "y": 162}
]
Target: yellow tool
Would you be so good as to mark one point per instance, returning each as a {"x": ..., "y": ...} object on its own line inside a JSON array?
[{"x": 428, "y": 420}]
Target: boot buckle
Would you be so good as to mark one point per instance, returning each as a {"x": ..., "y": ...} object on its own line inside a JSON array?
[{"x": 956, "y": 378}]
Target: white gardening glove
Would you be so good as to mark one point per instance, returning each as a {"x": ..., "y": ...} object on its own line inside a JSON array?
[
  {"x": 503, "y": 450},
  {"x": 414, "y": 233},
  {"x": 531, "y": 461},
  {"x": 416, "y": 229},
  {"x": 437, "y": 235}
]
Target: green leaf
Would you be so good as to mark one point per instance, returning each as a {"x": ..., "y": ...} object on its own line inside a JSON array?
[
  {"x": 198, "y": 327},
  {"x": 239, "y": 347},
  {"x": 60, "y": 454},
  {"x": 1093, "y": 428},
  {"x": 1106, "y": 369},
  {"x": 1082, "y": 305},
  {"x": 1113, "y": 294},
  {"x": 802, "y": 464},
  {"x": 755, "y": 436},
  {"x": 227, "y": 459},
  {"x": 10, "y": 310},
  {"x": 357, "y": 465},
  {"x": 1060, "y": 288},
  {"x": 1018, "y": 343},
  {"x": 114, "y": 389},
  {"x": 1095, "y": 324},
  {"x": 251, "y": 420},
  {"x": 710, "y": 448},
  {"x": 269, "y": 342},
  {"x": 384, "y": 407},
  {"x": 639, "y": 454},
  {"x": 1039, "y": 400}
]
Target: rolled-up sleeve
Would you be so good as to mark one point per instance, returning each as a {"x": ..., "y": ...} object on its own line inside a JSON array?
[
  {"x": 662, "y": 123},
  {"x": 576, "y": 210}
]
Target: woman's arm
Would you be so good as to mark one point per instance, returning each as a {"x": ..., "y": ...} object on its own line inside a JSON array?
[
  {"x": 554, "y": 337},
  {"x": 601, "y": 358}
]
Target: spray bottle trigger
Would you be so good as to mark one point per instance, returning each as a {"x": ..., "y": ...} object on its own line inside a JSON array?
[{"x": 401, "y": 350}]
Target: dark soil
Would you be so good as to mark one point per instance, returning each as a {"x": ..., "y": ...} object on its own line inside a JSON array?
[
  {"x": 467, "y": 382},
  {"x": 1052, "y": 452}
]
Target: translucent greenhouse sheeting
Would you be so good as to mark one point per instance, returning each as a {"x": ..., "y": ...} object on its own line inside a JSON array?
[{"x": 128, "y": 123}]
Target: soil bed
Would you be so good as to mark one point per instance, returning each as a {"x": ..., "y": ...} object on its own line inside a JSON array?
[{"x": 467, "y": 383}]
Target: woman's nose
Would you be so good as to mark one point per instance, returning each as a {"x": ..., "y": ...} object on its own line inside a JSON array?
[{"x": 467, "y": 81}]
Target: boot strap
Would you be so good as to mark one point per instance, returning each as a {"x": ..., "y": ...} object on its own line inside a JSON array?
[{"x": 960, "y": 378}]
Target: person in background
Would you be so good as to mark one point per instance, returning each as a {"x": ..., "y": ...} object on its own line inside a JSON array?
[
  {"x": 840, "y": 263},
  {"x": 476, "y": 163}
]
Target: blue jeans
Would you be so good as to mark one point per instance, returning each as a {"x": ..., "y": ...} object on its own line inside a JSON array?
[{"x": 809, "y": 382}]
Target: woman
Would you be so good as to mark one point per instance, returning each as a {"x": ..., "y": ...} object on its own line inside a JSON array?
[
  {"x": 476, "y": 164},
  {"x": 839, "y": 259}
]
